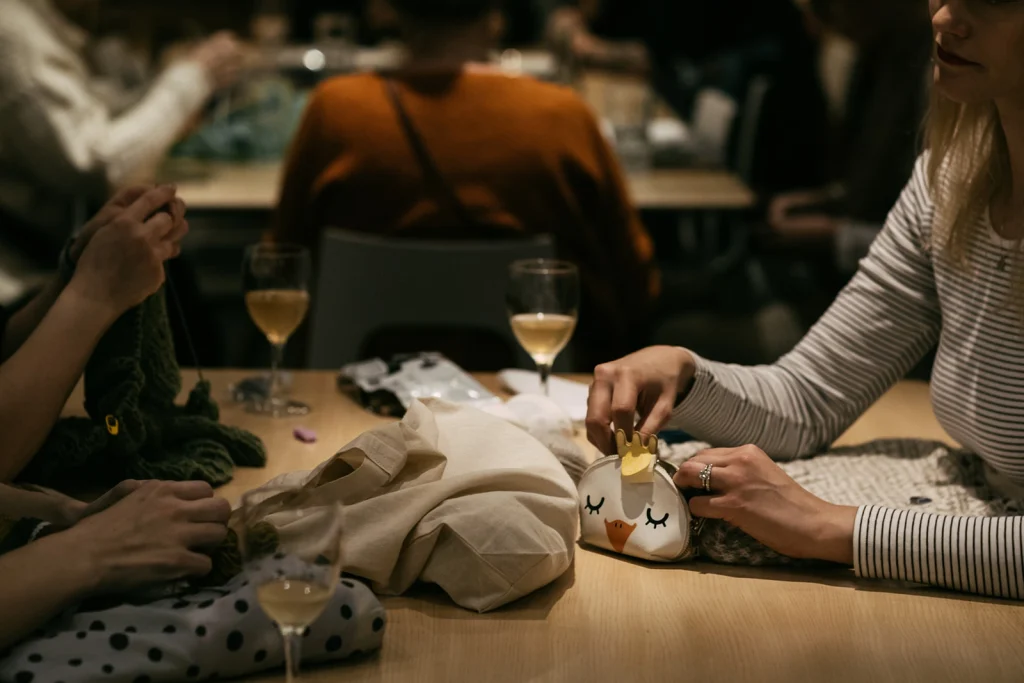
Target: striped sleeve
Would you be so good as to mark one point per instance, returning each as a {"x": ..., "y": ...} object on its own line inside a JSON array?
[
  {"x": 983, "y": 555},
  {"x": 879, "y": 327}
]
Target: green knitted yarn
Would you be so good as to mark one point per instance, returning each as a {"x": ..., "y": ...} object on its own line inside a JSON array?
[
  {"x": 227, "y": 558},
  {"x": 132, "y": 381}
]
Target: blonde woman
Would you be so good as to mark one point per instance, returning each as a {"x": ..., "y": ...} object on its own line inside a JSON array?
[{"x": 947, "y": 270}]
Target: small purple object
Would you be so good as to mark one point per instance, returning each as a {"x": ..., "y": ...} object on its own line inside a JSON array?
[{"x": 305, "y": 435}]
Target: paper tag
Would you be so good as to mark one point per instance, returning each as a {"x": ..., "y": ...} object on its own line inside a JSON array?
[{"x": 638, "y": 457}]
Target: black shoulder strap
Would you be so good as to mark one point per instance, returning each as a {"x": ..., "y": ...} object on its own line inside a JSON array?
[{"x": 431, "y": 172}]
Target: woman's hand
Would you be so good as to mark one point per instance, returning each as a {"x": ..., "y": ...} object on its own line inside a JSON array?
[
  {"x": 646, "y": 383},
  {"x": 122, "y": 262},
  {"x": 794, "y": 217},
  {"x": 753, "y": 493},
  {"x": 112, "y": 209},
  {"x": 152, "y": 535},
  {"x": 222, "y": 57}
]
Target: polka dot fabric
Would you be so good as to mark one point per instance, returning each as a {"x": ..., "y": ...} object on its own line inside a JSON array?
[{"x": 217, "y": 633}]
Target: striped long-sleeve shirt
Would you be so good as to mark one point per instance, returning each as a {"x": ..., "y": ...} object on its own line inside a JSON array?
[{"x": 907, "y": 297}]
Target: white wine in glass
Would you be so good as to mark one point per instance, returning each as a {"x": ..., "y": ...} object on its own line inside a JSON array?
[
  {"x": 543, "y": 303},
  {"x": 296, "y": 570},
  {"x": 277, "y": 295}
]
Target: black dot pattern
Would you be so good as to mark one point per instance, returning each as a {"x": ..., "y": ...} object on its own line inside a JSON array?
[
  {"x": 97, "y": 626},
  {"x": 75, "y": 662},
  {"x": 205, "y": 603},
  {"x": 260, "y": 656},
  {"x": 200, "y": 631},
  {"x": 235, "y": 641},
  {"x": 108, "y": 669},
  {"x": 181, "y": 604},
  {"x": 142, "y": 679},
  {"x": 24, "y": 677},
  {"x": 241, "y": 606},
  {"x": 333, "y": 644},
  {"x": 130, "y": 629},
  {"x": 346, "y": 612},
  {"x": 154, "y": 654},
  {"x": 193, "y": 672},
  {"x": 170, "y": 629},
  {"x": 378, "y": 624},
  {"x": 119, "y": 641},
  {"x": 348, "y": 583},
  {"x": 81, "y": 635},
  {"x": 35, "y": 658}
]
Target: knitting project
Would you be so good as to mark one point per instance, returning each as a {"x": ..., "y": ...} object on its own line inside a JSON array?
[{"x": 134, "y": 429}]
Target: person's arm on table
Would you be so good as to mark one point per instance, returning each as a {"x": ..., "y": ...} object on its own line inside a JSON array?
[
  {"x": 122, "y": 265},
  {"x": 885, "y": 320},
  {"x": 970, "y": 554},
  {"x": 150, "y": 536}
]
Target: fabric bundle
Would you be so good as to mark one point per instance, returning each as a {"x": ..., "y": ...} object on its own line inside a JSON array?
[{"x": 200, "y": 635}]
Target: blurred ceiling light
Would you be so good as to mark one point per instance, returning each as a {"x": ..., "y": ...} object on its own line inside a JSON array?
[{"x": 314, "y": 60}]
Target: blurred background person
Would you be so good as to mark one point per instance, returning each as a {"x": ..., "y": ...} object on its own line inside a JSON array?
[
  {"x": 687, "y": 46},
  {"x": 879, "y": 134},
  {"x": 522, "y": 156},
  {"x": 65, "y": 138}
]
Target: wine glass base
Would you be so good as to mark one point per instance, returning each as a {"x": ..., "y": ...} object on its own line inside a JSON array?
[{"x": 279, "y": 408}]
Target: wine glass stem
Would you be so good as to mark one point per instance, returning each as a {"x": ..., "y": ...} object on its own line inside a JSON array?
[
  {"x": 276, "y": 359},
  {"x": 544, "y": 370},
  {"x": 292, "y": 656}
]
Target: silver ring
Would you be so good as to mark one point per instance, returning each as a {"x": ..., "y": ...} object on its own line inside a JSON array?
[{"x": 705, "y": 477}]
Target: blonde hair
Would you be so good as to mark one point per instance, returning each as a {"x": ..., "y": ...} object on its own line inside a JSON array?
[{"x": 968, "y": 167}]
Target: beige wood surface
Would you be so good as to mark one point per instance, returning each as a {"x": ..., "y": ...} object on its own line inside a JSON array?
[
  {"x": 609, "y": 619},
  {"x": 219, "y": 186}
]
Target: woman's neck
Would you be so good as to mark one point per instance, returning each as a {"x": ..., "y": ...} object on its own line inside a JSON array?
[{"x": 1011, "y": 115}]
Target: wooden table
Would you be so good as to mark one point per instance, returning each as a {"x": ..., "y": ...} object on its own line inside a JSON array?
[
  {"x": 221, "y": 186},
  {"x": 613, "y": 620}
]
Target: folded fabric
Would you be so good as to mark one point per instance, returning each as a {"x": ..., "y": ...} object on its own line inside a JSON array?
[
  {"x": 451, "y": 496},
  {"x": 213, "y": 633},
  {"x": 134, "y": 429},
  {"x": 571, "y": 396},
  {"x": 924, "y": 476},
  {"x": 546, "y": 421}
]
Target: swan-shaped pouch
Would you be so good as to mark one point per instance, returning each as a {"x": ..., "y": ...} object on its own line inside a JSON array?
[{"x": 630, "y": 505}]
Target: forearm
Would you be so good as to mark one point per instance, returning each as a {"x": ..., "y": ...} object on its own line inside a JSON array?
[
  {"x": 68, "y": 136},
  {"x": 25, "y": 321},
  {"x": 36, "y": 381},
  {"x": 37, "y": 582},
  {"x": 982, "y": 555}
]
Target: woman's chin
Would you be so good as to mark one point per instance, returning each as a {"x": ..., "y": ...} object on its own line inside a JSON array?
[{"x": 960, "y": 88}]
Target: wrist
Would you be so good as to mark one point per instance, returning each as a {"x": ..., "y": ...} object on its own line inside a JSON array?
[
  {"x": 687, "y": 373},
  {"x": 834, "y": 540},
  {"x": 92, "y": 305}
]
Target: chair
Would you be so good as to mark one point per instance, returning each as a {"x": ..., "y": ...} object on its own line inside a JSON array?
[{"x": 367, "y": 283}]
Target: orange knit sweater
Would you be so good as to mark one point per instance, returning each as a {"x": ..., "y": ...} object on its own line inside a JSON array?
[{"x": 521, "y": 154}]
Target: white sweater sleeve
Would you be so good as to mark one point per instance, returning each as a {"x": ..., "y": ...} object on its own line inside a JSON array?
[
  {"x": 66, "y": 136},
  {"x": 882, "y": 323}
]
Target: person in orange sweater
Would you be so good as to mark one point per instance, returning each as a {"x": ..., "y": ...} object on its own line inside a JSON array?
[{"x": 521, "y": 155}]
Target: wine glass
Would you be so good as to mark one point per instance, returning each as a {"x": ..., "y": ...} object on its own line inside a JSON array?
[
  {"x": 277, "y": 295},
  {"x": 291, "y": 549},
  {"x": 543, "y": 304}
]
